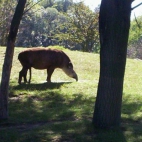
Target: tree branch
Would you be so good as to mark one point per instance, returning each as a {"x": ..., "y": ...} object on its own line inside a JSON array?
[
  {"x": 137, "y": 22},
  {"x": 136, "y": 6},
  {"x": 31, "y": 7}
]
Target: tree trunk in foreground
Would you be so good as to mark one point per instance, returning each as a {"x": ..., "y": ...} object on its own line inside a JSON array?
[
  {"x": 114, "y": 24},
  {"x": 8, "y": 59}
]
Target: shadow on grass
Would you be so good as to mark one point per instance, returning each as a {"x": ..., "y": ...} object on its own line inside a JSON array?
[
  {"x": 49, "y": 106},
  {"x": 48, "y": 116},
  {"x": 55, "y": 116},
  {"x": 131, "y": 106},
  {"x": 40, "y": 86},
  {"x": 132, "y": 117}
]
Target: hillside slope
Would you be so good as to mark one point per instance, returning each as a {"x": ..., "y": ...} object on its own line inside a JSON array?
[{"x": 62, "y": 110}]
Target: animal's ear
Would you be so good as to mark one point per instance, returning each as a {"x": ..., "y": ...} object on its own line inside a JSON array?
[{"x": 70, "y": 65}]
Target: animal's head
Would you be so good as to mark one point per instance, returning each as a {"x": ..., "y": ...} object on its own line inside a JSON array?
[{"x": 68, "y": 69}]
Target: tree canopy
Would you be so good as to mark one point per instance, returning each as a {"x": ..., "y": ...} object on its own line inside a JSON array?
[{"x": 52, "y": 22}]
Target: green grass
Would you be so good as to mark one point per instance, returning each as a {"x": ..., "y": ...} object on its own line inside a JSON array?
[{"x": 62, "y": 111}]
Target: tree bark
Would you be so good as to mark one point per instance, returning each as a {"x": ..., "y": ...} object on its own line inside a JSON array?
[
  {"x": 8, "y": 59},
  {"x": 114, "y": 24}
]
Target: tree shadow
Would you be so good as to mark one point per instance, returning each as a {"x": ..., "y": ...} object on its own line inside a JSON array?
[
  {"x": 52, "y": 116},
  {"x": 52, "y": 112},
  {"x": 132, "y": 117},
  {"x": 131, "y": 125}
]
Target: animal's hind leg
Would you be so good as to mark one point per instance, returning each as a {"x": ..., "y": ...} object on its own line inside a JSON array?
[{"x": 22, "y": 73}]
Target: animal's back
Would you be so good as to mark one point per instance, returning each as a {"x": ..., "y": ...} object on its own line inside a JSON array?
[{"x": 42, "y": 58}]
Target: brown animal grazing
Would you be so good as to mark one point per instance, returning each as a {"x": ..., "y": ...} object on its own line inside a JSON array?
[{"x": 45, "y": 58}]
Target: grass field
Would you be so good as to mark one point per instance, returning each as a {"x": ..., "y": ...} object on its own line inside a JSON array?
[{"x": 62, "y": 111}]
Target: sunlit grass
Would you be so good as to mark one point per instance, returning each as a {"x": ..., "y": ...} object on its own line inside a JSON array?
[{"x": 62, "y": 110}]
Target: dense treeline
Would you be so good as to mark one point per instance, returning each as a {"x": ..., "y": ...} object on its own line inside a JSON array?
[
  {"x": 52, "y": 22},
  {"x": 7, "y": 8},
  {"x": 61, "y": 22}
]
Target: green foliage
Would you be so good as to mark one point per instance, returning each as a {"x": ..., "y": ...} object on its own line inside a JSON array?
[
  {"x": 135, "y": 30},
  {"x": 7, "y": 8},
  {"x": 135, "y": 39},
  {"x": 52, "y": 22},
  {"x": 63, "y": 110},
  {"x": 47, "y": 3},
  {"x": 63, "y": 5},
  {"x": 81, "y": 27},
  {"x": 38, "y": 27},
  {"x": 35, "y": 34}
]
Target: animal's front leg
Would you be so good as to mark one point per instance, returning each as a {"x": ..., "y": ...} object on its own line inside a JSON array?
[
  {"x": 20, "y": 77},
  {"x": 25, "y": 76},
  {"x": 50, "y": 71},
  {"x": 30, "y": 76}
]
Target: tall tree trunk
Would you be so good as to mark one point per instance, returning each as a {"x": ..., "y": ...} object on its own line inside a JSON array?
[
  {"x": 114, "y": 24},
  {"x": 8, "y": 59}
]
